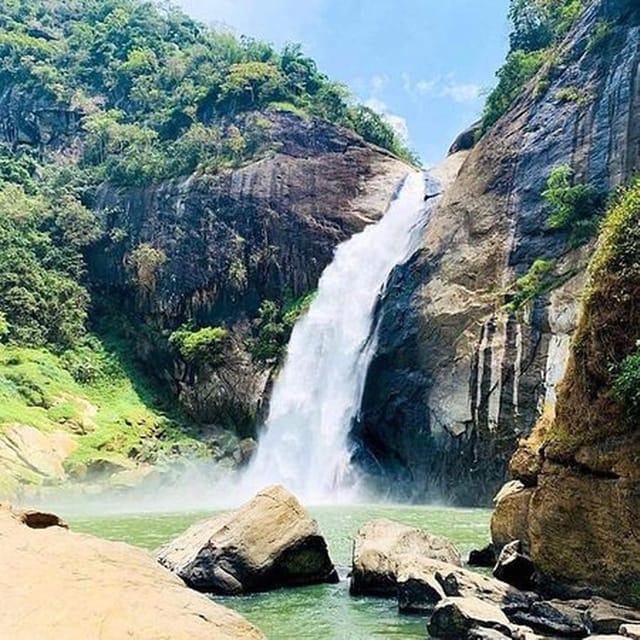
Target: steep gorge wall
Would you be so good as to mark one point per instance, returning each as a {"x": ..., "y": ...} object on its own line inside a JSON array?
[
  {"x": 231, "y": 240},
  {"x": 457, "y": 380}
]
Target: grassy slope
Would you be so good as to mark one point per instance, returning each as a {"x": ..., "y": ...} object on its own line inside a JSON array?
[{"x": 117, "y": 417}]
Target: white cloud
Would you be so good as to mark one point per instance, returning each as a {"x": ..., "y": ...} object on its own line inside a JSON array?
[
  {"x": 397, "y": 123},
  {"x": 461, "y": 92},
  {"x": 447, "y": 87},
  {"x": 426, "y": 86},
  {"x": 378, "y": 83}
]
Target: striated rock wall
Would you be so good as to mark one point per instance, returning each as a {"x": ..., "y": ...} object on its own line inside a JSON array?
[
  {"x": 231, "y": 240},
  {"x": 457, "y": 380}
]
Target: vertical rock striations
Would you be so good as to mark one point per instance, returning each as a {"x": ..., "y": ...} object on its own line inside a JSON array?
[{"x": 457, "y": 379}]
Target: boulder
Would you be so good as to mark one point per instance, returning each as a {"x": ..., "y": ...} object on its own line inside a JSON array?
[
  {"x": 379, "y": 547},
  {"x": 514, "y": 567},
  {"x": 509, "y": 520},
  {"x": 422, "y": 583},
  {"x": 485, "y": 557},
  {"x": 631, "y": 631},
  {"x": 418, "y": 593},
  {"x": 606, "y": 617},
  {"x": 555, "y": 618},
  {"x": 57, "y": 584},
  {"x": 270, "y": 542},
  {"x": 455, "y": 618}
]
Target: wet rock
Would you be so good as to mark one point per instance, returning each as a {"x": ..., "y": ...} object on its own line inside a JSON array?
[
  {"x": 486, "y": 634},
  {"x": 270, "y": 542},
  {"x": 483, "y": 557},
  {"x": 455, "y": 618},
  {"x": 601, "y": 616},
  {"x": 56, "y": 585},
  {"x": 381, "y": 546},
  {"x": 554, "y": 618},
  {"x": 422, "y": 583},
  {"x": 514, "y": 567},
  {"x": 418, "y": 593}
]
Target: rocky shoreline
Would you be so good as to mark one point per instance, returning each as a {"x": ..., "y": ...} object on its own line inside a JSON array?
[{"x": 270, "y": 543}]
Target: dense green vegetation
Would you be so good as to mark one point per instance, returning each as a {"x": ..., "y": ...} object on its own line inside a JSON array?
[
  {"x": 573, "y": 207},
  {"x": 97, "y": 394},
  {"x": 202, "y": 346},
  {"x": 160, "y": 94},
  {"x": 538, "y": 27},
  {"x": 274, "y": 326}
]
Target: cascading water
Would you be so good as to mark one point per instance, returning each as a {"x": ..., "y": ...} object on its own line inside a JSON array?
[{"x": 318, "y": 392}]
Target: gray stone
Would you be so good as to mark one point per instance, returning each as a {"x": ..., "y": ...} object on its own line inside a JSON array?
[
  {"x": 514, "y": 567},
  {"x": 268, "y": 543},
  {"x": 383, "y": 547},
  {"x": 455, "y": 618}
]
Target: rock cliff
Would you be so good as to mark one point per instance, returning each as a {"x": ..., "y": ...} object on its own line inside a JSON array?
[
  {"x": 457, "y": 379},
  {"x": 231, "y": 240}
]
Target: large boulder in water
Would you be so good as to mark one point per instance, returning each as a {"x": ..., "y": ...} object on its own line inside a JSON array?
[
  {"x": 56, "y": 584},
  {"x": 270, "y": 542},
  {"x": 382, "y": 546}
]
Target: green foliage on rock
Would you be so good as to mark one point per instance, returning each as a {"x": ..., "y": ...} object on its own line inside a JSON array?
[
  {"x": 574, "y": 207},
  {"x": 146, "y": 79},
  {"x": 539, "y": 279},
  {"x": 201, "y": 346},
  {"x": 626, "y": 385},
  {"x": 274, "y": 325},
  {"x": 42, "y": 236},
  {"x": 538, "y": 27}
]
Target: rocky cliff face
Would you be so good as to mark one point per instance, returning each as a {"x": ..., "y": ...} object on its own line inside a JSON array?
[
  {"x": 221, "y": 244},
  {"x": 457, "y": 380}
]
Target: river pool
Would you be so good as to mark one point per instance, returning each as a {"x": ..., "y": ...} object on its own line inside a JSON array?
[{"x": 324, "y": 612}]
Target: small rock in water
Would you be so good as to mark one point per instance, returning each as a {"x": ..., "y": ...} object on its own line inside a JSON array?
[
  {"x": 555, "y": 618},
  {"x": 270, "y": 542},
  {"x": 514, "y": 567},
  {"x": 455, "y": 618},
  {"x": 483, "y": 557}
]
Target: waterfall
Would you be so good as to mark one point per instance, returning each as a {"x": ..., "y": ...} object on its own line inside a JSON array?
[{"x": 304, "y": 443}]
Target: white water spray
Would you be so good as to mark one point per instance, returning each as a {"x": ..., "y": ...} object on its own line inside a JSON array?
[{"x": 319, "y": 390}]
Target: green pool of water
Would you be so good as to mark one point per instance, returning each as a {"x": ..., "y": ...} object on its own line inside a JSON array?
[{"x": 324, "y": 612}]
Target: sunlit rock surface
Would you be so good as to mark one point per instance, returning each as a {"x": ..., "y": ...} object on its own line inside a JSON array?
[
  {"x": 57, "y": 585},
  {"x": 270, "y": 542}
]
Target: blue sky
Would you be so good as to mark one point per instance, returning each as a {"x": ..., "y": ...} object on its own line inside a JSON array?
[{"x": 423, "y": 63}]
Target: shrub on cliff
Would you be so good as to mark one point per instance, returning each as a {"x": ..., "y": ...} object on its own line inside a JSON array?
[
  {"x": 574, "y": 207},
  {"x": 202, "y": 346},
  {"x": 538, "y": 26}
]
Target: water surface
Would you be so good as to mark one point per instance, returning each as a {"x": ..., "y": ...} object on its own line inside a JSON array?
[{"x": 323, "y": 612}]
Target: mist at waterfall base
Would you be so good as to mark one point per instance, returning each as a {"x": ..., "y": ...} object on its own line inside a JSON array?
[{"x": 304, "y": 443}]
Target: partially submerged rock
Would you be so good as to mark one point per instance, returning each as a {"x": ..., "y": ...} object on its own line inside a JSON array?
[
  {"x": 270, "y": 542},
  {"x": 455, "y": 618},
  {"x": 61, "y": 585},
  {"x": 422, "y": 583},
  {"x": 381, "y": 546},
  {"x": 485, "y": 557}
]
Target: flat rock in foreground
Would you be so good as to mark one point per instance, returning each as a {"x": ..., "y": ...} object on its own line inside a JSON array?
[
  {"x": 382, "y": 546},
  {"x": 270, "y": 542},
  {"x": 61, "y": 585}
]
